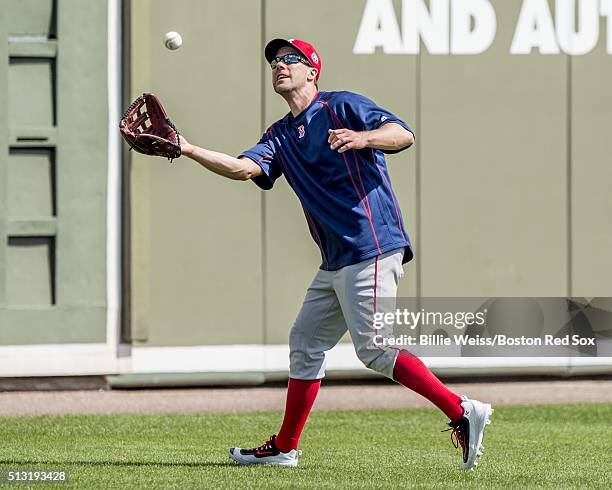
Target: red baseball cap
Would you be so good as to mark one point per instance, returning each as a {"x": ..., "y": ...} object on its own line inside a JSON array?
[{"x": 308, "y": 51}]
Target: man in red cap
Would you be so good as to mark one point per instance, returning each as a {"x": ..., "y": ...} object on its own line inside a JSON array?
[{"x": 330, "y": 147}]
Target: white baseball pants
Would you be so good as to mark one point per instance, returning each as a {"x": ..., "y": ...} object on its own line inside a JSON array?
[{"x": 346, "y": 299}]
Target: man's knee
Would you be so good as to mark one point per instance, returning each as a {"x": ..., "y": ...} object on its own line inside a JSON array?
[
  {"x": 380, "y": 360},
  {"x": 306, "y": 365},
  {"x": 294, "y": 340}
]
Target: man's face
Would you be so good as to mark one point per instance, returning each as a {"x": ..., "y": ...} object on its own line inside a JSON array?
[{"x": 288, "y": 77}]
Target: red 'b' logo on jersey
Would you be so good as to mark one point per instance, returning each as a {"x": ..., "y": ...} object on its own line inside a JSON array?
[{"x": 301, "y": 131}]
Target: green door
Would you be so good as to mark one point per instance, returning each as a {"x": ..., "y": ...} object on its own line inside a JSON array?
[{"x": 53, "y": 171}]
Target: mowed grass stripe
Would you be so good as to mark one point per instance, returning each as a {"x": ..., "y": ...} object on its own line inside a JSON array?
[{"x": 555, "y": 446}]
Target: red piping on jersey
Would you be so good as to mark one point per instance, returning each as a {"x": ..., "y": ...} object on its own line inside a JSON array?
[
  {"x": 388, "y": 184},
  {"x": 367, "y": 212},
  {"x": 375, "y": 280},
  {"x": 357, "y": 166},
  {"x": 386, "y": 181},
  {"x": 309, "y": 219}
]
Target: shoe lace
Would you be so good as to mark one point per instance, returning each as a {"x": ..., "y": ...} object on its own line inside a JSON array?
[
  {"x": 456, "y": 437},
  {"x": 266, "y": 446}
]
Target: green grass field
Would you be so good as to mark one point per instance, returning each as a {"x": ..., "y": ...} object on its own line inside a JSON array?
[{"x": 560, "y": 446}]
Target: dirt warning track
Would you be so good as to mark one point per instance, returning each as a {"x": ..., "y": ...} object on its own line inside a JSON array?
[{"x": 331, "y": 397}]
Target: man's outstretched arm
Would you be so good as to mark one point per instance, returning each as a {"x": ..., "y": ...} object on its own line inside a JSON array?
[
  {"x": 226, "y": 165},
  {"x": 390, "y": 136}
]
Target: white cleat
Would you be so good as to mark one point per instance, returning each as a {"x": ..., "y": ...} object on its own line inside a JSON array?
[
  {"x": 267, "y": 453},
  {"x": 468, "y": 430}
]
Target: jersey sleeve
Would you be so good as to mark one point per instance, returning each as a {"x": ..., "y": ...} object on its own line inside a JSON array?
[
  {"x": 264, "y": 155},
  {"x": 363, "y": 114}
]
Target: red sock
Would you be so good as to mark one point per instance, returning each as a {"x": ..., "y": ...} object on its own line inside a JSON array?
[
  {"x": 412, "y": 373},
  {"x": 301, "y": 395}
]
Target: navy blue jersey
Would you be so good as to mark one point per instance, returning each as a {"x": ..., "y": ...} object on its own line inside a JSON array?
[{"x": 347, "y": 198}]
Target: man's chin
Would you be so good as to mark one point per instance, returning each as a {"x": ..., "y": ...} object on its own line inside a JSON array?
[{"x": 282, "y": 88}]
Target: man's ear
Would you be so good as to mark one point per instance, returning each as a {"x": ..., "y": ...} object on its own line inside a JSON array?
[{"x": 313, "y": 74}]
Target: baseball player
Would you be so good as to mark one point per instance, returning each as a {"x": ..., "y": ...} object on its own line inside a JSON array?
[{"x": 330, "y": 147}]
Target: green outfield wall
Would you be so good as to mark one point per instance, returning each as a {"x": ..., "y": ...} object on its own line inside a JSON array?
[
  {"x": 505, "y": 193},
  {"x": 53, "y": 131}
]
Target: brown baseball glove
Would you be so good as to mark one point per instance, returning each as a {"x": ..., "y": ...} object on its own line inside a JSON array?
[{"x": 146, "y": 128}]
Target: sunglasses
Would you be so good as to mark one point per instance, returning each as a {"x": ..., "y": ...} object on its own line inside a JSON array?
[{"x": 288, "y": 59}]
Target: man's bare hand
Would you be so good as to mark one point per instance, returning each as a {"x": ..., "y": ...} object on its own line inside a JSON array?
[{"x": 345, "y": 139}]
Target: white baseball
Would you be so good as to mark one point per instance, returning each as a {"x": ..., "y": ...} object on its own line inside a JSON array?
[{"x": 173, "y": 40}]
